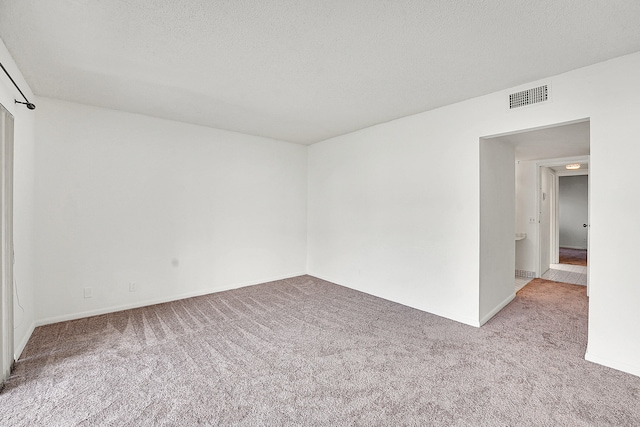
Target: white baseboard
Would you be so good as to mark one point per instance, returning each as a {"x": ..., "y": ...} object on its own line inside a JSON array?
[
  {"x": 620, "y": 366},
  {"x": 422, "y": 307},
  {"x": 497, "y": 308},
  {"x": 113, "y": 309},
  {"x": 17, "y": 352}
]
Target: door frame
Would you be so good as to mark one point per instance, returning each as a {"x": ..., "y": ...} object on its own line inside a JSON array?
[
  {"x": 552, "y": 215},
  {"x": 555, "y": 230},
  {"x": 6, "y": 242}
]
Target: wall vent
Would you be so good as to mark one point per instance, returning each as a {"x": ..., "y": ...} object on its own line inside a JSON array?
[{"x": 529, "y": 97}]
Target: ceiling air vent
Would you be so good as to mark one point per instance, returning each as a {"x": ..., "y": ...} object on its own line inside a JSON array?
[{"x": 528, "y": 97}]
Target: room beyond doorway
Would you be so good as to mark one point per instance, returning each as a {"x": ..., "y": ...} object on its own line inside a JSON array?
[
  {"x": 572, "y": 256},
  {"x": 569, "y": 228},
  {"x": 517, "y": 221},
  {"x": 541, "y": 155}
]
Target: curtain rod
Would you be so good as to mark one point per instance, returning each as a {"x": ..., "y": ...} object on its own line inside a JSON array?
[{"x": 29, "y": 105}]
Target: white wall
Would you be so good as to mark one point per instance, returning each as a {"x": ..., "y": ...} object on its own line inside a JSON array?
[
  {"x": 497, "y": 241},
  {"x": 614, "y": 336},
  {"x": 574, "y": 211},
  {"x": 177, "y": 209},
  {"x": 23, "y": 203},
  {"x": 526, "y": 208},
  {"x": 394, "y": 209}
]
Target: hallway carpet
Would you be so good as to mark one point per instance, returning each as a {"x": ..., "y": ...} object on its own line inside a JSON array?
[
  {"x": 573, "y": 256},
  {"x": 303, "y": 351}
]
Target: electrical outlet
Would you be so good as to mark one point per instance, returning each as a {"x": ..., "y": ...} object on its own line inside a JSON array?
[
  {"x": 88, "y": 292},
  {"x": 532, "y": 220},
  {"x": 133, "y": 287}
]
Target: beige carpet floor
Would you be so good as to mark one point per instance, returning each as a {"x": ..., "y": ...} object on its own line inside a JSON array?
[
  {"x": 573, "y": 256},
  {"x": 307, "y": 352}
]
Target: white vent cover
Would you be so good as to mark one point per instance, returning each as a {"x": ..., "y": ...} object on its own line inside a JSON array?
[{"x": 528, "y": 97}]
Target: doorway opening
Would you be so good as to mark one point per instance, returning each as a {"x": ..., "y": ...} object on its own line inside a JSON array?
[
  {"x": 540, "y": 156},
  {"x": 569, "y": 229},
  {"x": 573, "y": 217}
]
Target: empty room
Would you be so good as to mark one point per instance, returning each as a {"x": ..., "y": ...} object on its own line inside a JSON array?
[{"x": 319, "y": 213}]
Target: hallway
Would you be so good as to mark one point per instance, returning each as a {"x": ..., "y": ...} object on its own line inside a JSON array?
[{"x": 565, "y": 273}]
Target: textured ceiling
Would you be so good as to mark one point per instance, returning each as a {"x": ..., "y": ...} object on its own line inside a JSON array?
[{"x": 302, "y": 70}]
